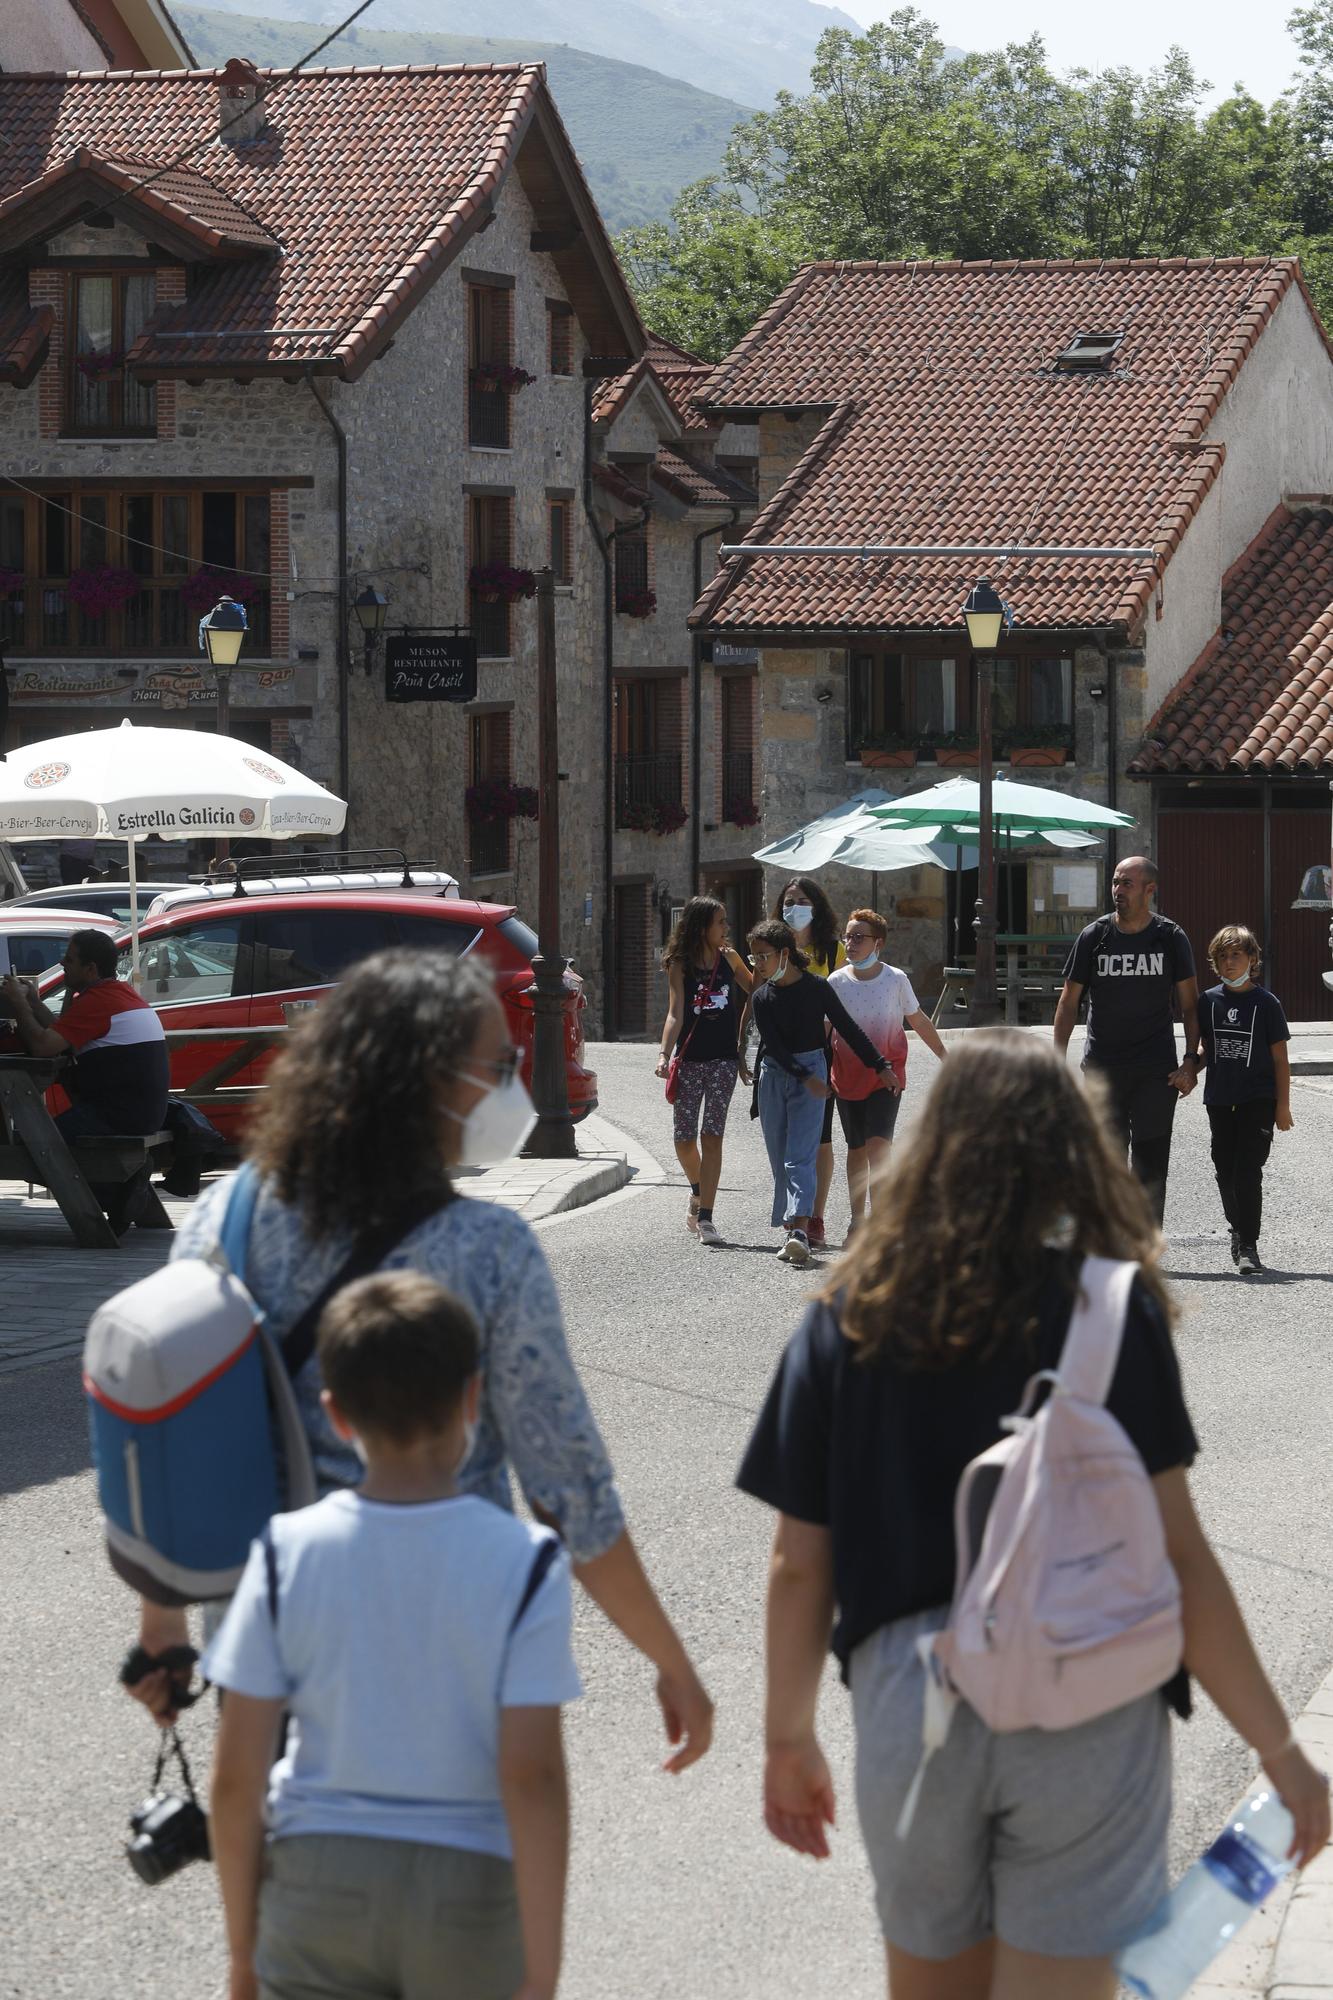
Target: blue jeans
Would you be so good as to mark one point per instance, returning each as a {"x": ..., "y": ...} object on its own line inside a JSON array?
[{"x": 792, "y": 1122}]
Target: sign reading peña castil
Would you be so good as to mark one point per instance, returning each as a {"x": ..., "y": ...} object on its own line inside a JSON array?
[{"x": 433, "y": 667}]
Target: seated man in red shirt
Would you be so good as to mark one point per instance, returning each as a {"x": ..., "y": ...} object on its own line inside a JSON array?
[{"x": 118, "y": 1081}]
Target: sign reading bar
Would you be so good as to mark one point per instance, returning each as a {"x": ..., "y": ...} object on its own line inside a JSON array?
[{"x": 430, "y": 668}]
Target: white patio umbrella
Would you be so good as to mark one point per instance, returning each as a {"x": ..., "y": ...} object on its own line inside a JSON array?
[
  {"x": 954, "y": 809},
  {"x": 125, "y": 783},
  {"x": 854, "y": 835}
]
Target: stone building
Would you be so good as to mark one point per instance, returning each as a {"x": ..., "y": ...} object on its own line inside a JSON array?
[
  {"x": 1183, "y": 408},
  {"x": 670, "y": 485},
  {"x": 298, "y": 337}
]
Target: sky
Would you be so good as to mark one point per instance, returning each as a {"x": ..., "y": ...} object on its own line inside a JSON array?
[{"x": 1226, "y": 40}]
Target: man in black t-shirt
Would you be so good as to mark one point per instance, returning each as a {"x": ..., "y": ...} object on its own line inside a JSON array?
[{"x": 1133, "y": 964}]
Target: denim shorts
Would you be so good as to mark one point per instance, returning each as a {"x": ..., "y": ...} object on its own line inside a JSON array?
[{"x": 1054, "y": 1841}]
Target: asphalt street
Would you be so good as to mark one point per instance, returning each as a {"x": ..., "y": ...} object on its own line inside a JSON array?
[{"x": 676, "y": 1888}]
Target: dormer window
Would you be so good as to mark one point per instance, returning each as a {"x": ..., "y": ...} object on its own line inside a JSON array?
[
  {"x": 1087, "y": 353},
  {"x": 106, "y": 313}
]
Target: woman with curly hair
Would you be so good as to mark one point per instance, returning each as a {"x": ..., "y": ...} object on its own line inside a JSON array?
[
  {"x": 404, "y": 1072},
  {"x": 706, "y": 975},
  {"x": 806, "y": 910},
  {"x": 1034, "y": 1854}
]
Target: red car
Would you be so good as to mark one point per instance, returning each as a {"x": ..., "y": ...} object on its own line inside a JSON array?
[{"x": 238, "y": 962}]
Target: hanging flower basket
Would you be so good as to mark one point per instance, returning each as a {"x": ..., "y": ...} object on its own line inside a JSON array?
[
  {"x": 101, "y": 367},
  {"x": 100, "y": 591},
  {"x": 637, "y": 603},
  {"x": 494, "y": 799},
  {"x": 11, "y": 582},
  {"x": 200, "y": 592},
  {"x": 657, "y": 819},
  {"x": 741, "y": 812},
  {"x": 496, "y": 583},
  {"x": 492, "y": 375}
]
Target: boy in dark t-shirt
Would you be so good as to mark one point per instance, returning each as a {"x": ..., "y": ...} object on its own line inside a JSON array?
[{"x": 1247, "y": 1085}]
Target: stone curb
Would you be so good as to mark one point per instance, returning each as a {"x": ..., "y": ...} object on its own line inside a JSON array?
[{"x": 1286, "y": 1951}]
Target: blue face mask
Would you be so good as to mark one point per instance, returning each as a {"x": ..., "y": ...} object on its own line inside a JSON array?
[
  {"x": 871, "y": 958},
  {"x": 1236, "y": 984}
]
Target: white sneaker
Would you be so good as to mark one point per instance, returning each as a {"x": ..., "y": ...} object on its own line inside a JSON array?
[
  {"x": 692, "y": 1215},
  {"x": 796, "y": 1249},
  {"x": 707, "y": 1231}
]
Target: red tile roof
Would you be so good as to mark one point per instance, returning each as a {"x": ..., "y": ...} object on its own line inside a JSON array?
[
  {"x": 24, "y": 331},
  {"x": 948, "y": 424},
  {"x": 701, "y": 486},
  {"x": 370, "y": 180},
  {"x": 1260, "y": 695},
  {"x": 209, "y": 220}
]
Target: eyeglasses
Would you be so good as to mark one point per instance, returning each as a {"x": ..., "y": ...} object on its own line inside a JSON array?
[
  {"x": 505, "y": 1065},
  {"x": 858, "y": 937}
]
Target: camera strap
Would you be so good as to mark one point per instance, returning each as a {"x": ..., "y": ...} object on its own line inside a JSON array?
[{"x": 171, "y": 1742}]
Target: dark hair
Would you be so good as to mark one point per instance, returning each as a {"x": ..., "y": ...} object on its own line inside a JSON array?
[
  {"x": 1012, "y": 1154},
  {"x": 782, "y": 938},
  {"x": 396, "y": 1352},
  {"x": 349, "y": 1127},
  {"x": 823, "y": 924},
  {"x": 96, "y": 948},
  {"x": 686, "y": 943}
]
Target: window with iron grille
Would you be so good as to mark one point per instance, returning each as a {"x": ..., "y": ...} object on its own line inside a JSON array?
[
  {"x": 155, "y": 542},
  {"x": 105, "y": 314},
  {"x": 631, "y": 547},
  {"x": 490, "y": 540},
  {"x": 560, "y": 536},
  {"x": 738, "y": 785},
  {"x": 648, "y": 747},
  {"x": 490, "y": 324},
  {"x": 489, "y": 833},
  {"x": 559, "y": 338}
]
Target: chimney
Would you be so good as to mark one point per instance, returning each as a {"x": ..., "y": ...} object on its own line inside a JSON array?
[{"x": 241, "y": 118}]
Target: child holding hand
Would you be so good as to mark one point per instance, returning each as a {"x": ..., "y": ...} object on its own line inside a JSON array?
[
  {"x": 1247, "y": 1087},
  {"x": 419, "y": 1641}
]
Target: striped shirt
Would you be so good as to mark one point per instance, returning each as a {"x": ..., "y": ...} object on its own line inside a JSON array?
[{"x": 121, "y": 1068}]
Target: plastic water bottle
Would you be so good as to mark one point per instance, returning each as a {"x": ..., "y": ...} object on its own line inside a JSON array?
[{"x": 1205, "y": 1910}]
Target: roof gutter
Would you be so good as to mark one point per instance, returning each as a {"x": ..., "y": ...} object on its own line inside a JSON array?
[{"x": 341, "y": 659}]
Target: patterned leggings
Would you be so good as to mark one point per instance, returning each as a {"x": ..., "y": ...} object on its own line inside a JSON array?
[{"x": 709, "y": 1084}]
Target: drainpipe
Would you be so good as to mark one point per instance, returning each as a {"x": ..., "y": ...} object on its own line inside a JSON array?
[
  {"x": 341, "y": 658},
  {"x": 1113, "y": 763},
  {"x": 696, "y": 699}
]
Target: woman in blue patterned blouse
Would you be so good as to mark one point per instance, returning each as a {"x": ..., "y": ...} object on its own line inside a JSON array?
[{"x": 364, "y": 1117}]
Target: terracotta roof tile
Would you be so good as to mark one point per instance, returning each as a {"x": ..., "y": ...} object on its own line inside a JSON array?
[
  {"x": 368, "y": 179},
  {"x": 701, "y": 486},
  {"x": 948, "y": 423},
  {"x": 1260, "y": 695},
  {"x": 24, "y": 331}
]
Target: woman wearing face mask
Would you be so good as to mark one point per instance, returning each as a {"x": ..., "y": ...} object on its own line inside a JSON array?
[
  {"x": 405, "y": 1072},
  {"x": 793, "y": 1011},
  {"x": 809, "y": 915},
  {"x": 880, "y": 998},
  {"x": 706, "y": 976}
]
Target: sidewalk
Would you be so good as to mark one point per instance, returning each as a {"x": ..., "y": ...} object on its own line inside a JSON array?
[
  {"x": 1310, "y": 1051},
  {"x": 1286, "y": 1952},
  {"x": 50, "y": 1288}
]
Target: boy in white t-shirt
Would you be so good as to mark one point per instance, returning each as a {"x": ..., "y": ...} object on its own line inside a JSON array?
[
  {"x": 880, "y": 1000},
  {"x": 419, "y": 1642}
]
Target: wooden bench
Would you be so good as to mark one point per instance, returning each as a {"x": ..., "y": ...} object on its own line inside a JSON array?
[
  {"x": 1029, "y": 977},
  {"x": 103, "y": 1160}
]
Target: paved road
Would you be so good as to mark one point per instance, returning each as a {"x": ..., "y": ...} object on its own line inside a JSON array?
[{"x": 676, "y": 1889}]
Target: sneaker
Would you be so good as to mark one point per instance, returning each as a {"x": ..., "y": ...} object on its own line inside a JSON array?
[
  {"x": 818, "y": 1240},
  {"x": 1247, "y": 1263},
  {"x": 707, "y": 1230},
  {"x": 1235, "y": 1247},
  {"x": 692, "y": 1215},
  {"x": 796, "y": 1249}
]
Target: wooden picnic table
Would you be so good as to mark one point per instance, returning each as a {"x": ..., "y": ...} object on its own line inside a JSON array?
[
  {"x": 32, "y": 1148},
  {"x": 1019, "y": 978}
]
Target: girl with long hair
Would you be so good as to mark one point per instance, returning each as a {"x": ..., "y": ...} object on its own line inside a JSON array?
[
  {"x": 404, "y": 1072},
  {"x": 793, "y": 1011},
  {"x": 1034, "y": 1855},
  {"x": 706, "y": 975},
  {"x": 803, "y": 906}
]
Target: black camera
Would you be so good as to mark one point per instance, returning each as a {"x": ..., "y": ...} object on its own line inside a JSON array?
[{"x": 169, "y": 1831}]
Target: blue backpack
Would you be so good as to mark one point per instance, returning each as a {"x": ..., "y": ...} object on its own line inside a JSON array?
[{"x": 196, "y": 1434}]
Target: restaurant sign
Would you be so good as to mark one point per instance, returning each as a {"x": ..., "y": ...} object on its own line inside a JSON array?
[
  {"x": 147, "y": 684},
  {"x": 430, "y": 667}
]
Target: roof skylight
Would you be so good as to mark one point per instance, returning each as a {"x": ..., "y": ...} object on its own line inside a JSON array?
[{"x": 1088, "y": 351}]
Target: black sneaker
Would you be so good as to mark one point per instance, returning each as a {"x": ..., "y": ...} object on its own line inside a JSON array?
[
  {"x": 1235, "y": 1247},
  {"x": 1247, "y": 1263}
]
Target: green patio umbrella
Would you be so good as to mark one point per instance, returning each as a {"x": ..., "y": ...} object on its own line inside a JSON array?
[{"x": 952, "y": 811}]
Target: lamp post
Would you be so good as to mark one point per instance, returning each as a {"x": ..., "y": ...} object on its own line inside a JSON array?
[
  {"x": 220, "y": 636},
  {"x": 553, "y": 1135},
  {"x": 371, "y": 611},
  {"x": 986, "y": 615}
]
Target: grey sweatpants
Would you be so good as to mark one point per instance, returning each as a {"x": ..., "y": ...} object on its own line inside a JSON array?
[{"x": 342, "y": 1917}]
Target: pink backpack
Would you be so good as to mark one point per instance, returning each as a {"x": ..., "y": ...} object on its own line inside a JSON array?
[{"x": 1069, "y": 1606}]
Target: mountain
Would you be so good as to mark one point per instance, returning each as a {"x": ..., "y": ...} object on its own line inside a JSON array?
[
  {"x": 641, "y": 136},
  {"x": 748, "y": 48}
]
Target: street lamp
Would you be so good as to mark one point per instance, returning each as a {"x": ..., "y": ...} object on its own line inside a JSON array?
[
  {"x": 553, "y": 1135},
  {"x": 986, "y": 616},
  {"x": 220, "y": 635},
  {"x": 371, "y": 611}
]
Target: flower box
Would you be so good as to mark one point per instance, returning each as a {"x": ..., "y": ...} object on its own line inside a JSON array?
[
  {"x": 494, "y": 583},
  {"x": 658, "y": 819},
  {"x": 1039, "y": 756},
  {"x": 495, "y": 799},
  {"x": 740, "y": 812},
  {"x": 888, "y": 760},
  {"x": 492, "y": 375},
  {"x": 96, "y": 367},
  {"x": 956, "y": 759},
  {"x": 637, "y": 603},
  {"x": 99, "y": 591}
]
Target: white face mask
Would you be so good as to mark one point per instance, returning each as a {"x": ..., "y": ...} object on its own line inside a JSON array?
[
  {"x": 779, "y": 972},
  {"x": 497, "y": 1126},
  {"x": 800, "y": 916}
]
